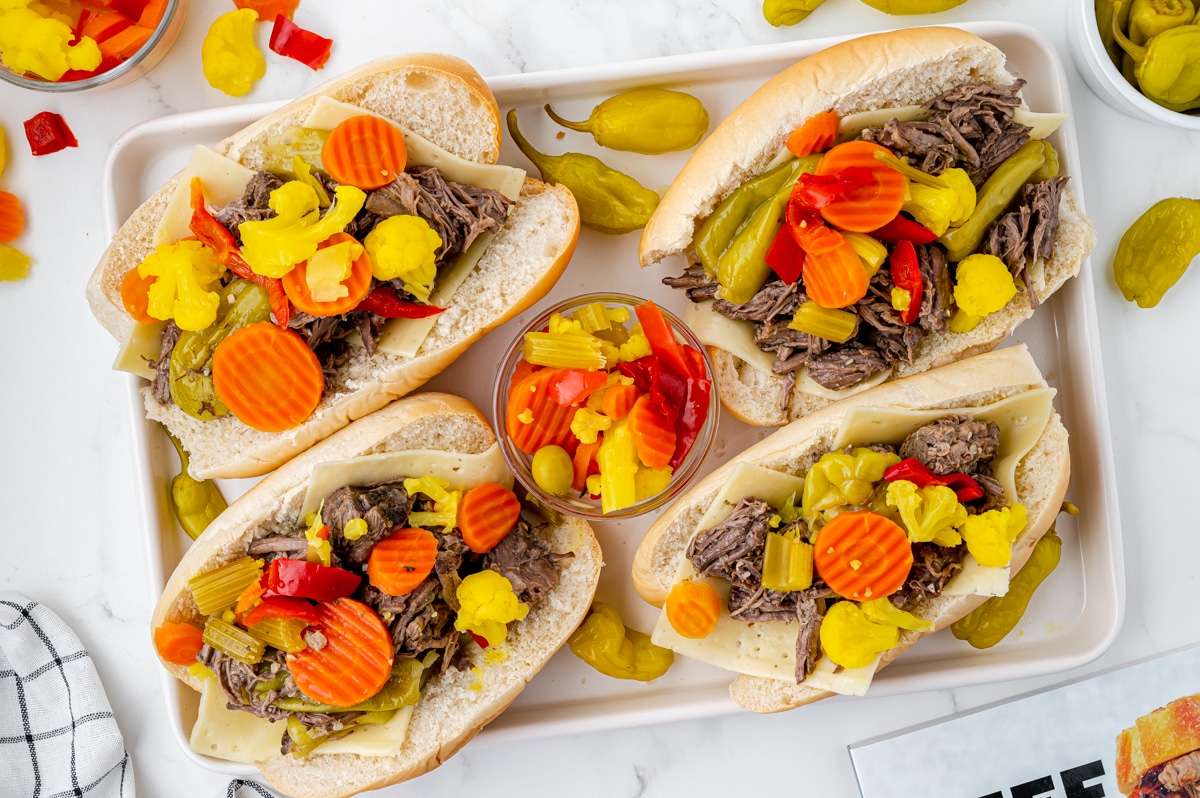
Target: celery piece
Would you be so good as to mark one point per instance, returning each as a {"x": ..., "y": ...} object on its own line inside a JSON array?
[
  {"x": 870, "y": 251},
  {"x": 593, "y": 317},
  {"x": 285, "y": 634},
  {"x": 233, "y": 642},
  {"x": 827, "y": 323},
  {"x": 219, "y": 589},
  {"x": 787, "y": 563},
  {"x": 564, "y": 351}
]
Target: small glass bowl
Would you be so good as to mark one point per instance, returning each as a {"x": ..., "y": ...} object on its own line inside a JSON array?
[
  {"x": 583, "y": 506},
  {"x": 127, "y": 71}
]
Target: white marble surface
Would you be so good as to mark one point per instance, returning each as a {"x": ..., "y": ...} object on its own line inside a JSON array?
[{"x": 70, "y": 534}]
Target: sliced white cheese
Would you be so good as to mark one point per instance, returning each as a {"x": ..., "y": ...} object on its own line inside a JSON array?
[
  {"x": 1021, "y": 417},
  {"x": 747, "y": 479},
  {"x": 847, "y": 681},
  {"x": 403, "y": 337},
  {"x": 329, "y": 113},
  {"x": 142, "y": 346},
  {"x": 1043, "y": 124},
  {"x": 807, "y": 384},
  {"x": 735, "y": 337},
  {"x": 238, "y": 736},
  {"x": 462, "y": 471},
  {"x": 977, "y": 580},
  {"x": 224, "y": 180}
]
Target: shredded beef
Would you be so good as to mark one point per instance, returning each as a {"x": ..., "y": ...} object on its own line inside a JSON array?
[
  {"x": 457, "y": 212},
  {"x": 253, "y": 206},
  {"x": 846, "y": 366},
  {"x": 937, "y": 305},
  {"x": 952, "y": 444},
  {"x": 773, "y": 299},
  {"x": 294, "y": 546},
  {"x": 1182, "y": 773},
  {"x": 524, "y": 558},
  {"x": 933, "y": 566},
  {"x": 161, "y": 387},
  {"x": 733, "y": 549},
  {"x": 1026, "y": 233},
  {"x": 970, "y": 127},
  {"x": 384, "y": 506},
  {"x": 699, "y": 286}
]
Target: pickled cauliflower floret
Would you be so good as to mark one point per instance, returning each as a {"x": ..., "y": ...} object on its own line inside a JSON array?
[
  {"x": 990, "y": 535},
  {"x": 838, "y": 479},
  {"x": 587, "y": 425},
  {"x": 274, "y": 246},
  {"x": 983, "y": 285},
  {"x": 404, "y": 248},
  {"x": 939, "y": 209},
  {"x": 930, "y": 515},
  {"x": 488, "y": 605},
  {"x": 186, "y": 286},
  {"x": 851, "y": 639}
]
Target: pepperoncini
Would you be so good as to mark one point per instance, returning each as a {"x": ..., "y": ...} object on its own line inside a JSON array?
[
  {"x": 905, "y": 7},
  {"x": 609, "y": 201},
  {"x": 939, "y": 209},
  {"x": 884, "y": 611},
  {"x": 844, "y": 479},
  {"x": 618, "y": 469},
  {"x": 1165, "y": 67},
  {"x": 405, "y": 247},
  {"x": 1148, "y": 18},
  {"x": 982, "y": 286},
  {"x": 719, "y": 229},
  {"x": 445, "y": 502},
  {"x": 196, "y": 502},
  {"x": 604, "y": 642},
  {"x": 587, "y": 425},
  {"x": 853, "y": 640},
  {"x": 993, "y": 198},
  {"x": 31, "y": 43},
  {"x": 990, "y": 535},
  {"x": 930, "y": 515},
  {"x": 187, "y": 286},
  {"x": 231, "y": 60},
  {"x": 487, "y": 605},
  {"x": 1156, "y": 250},
  {"x": 649, "y": 121},
  {"x": 274, "y": 246},
  {"x": 788, "y": 12},
  {"x": 991, "y": 621}
]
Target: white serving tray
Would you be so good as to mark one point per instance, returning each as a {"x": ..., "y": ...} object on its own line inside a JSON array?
[{"x": 1074, "y": 617}]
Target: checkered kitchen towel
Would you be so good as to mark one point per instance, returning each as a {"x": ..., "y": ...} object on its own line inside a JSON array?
[{"x": 58, "y": 737}]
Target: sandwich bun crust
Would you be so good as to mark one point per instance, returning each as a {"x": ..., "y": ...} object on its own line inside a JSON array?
[
  {"x": 1041, "y": 481},
  {"x": 1157, "y": 737},
  {"x": 897, "y": 68},
  {"x": 452, "y": 708},
  {"x": 443, "y": 99}
]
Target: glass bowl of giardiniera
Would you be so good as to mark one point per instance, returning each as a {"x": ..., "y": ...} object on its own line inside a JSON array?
[{"x": 605, "y": 406}]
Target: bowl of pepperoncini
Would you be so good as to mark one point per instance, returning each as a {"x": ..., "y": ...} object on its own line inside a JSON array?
[
  {"x": 606, "y": 405},
  {"x": 1142, "y": 57},
  {"x": 74, "y": 45}
]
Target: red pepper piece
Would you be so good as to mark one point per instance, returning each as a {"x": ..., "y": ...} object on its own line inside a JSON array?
[
  {"x": 903, "y": 229},
  {"x": 785, "y": 257},
  {"x": 697, "y": 366},
  {"x": 572, "y": 386},
  {"x": 913, "y": 470},
  {"x": 47, "y": 132},
  {"x": 482, "y": 641},
  {"x": 282, "y": 607},
  {"x": 291, "y": 41},
  {"x": 662, "y": 338},
  {"x": 383, "y": 301},
  {"x": 691, "y": 418},
  {"x": 821, "y": 190},
  {"x": 214, "y": 236},
  {"x": 906, "y": 274},
  {"x": 301, "y": 579},
  {"x": 267, "y": 10}
]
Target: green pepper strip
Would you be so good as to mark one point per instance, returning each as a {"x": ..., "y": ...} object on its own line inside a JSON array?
[
  {"x": 196, "y": 502},
  {"x": 993, "y": 198},
  {"x": 991, "y": 621},
  {"x": 729, "y": 216},
  {"x": 742, "y": 269}
]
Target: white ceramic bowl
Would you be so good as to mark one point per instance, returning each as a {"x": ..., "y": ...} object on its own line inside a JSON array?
[{"x": 1103, "y": 76}]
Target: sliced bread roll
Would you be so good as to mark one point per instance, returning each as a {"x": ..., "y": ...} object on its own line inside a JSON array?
[
  {"x": 453, "y": 707},
  {"x": 894, "y": 69},
  {"x": 1041, "y": 482},
  {"x": 444, "y": 100}
]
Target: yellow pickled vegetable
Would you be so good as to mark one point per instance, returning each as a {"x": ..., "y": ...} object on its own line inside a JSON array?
[
  {"x": 604, "y": 642},
  {"x": 14, "y": 264},
  {"x": 870, "y": 250},
  {"x": 217, "y": 590},
  {"x": 285, "y": 634},
  {"x": 983, "y": 286},
  {"x": 618, "y": 469},
  {"x": 42, "y": 45},
  {"x": 587, "y": 425},
  {"x": 566, "y": 351},
  {"x": 990, "y": 535},
  {"x": 851, "y": 639},
  {"x": 405, "y": 247},
  {"x": 355, "y": 528},
  {"x": 274, "y": 246},
  {"x": 552, "y": 470},
  {"x": 232, "y": 62},
  {"x": 884, "y": 611},
  {"x": 328, "y": 267},
  {"x": 234, "y": 642},
  {"x": 488, "y": 605},
  {"x": 649, "y": 482},
  {"x": 939, "y": 209},
  {"x": 187, "y": 285},
  {"x": 319, "y": 550},
  {"x": 787, "y": 563},
  {"x": 930, "y": 515},
  {"x": 445, "y": 502},
  {"x": 828, "y": 323}
]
